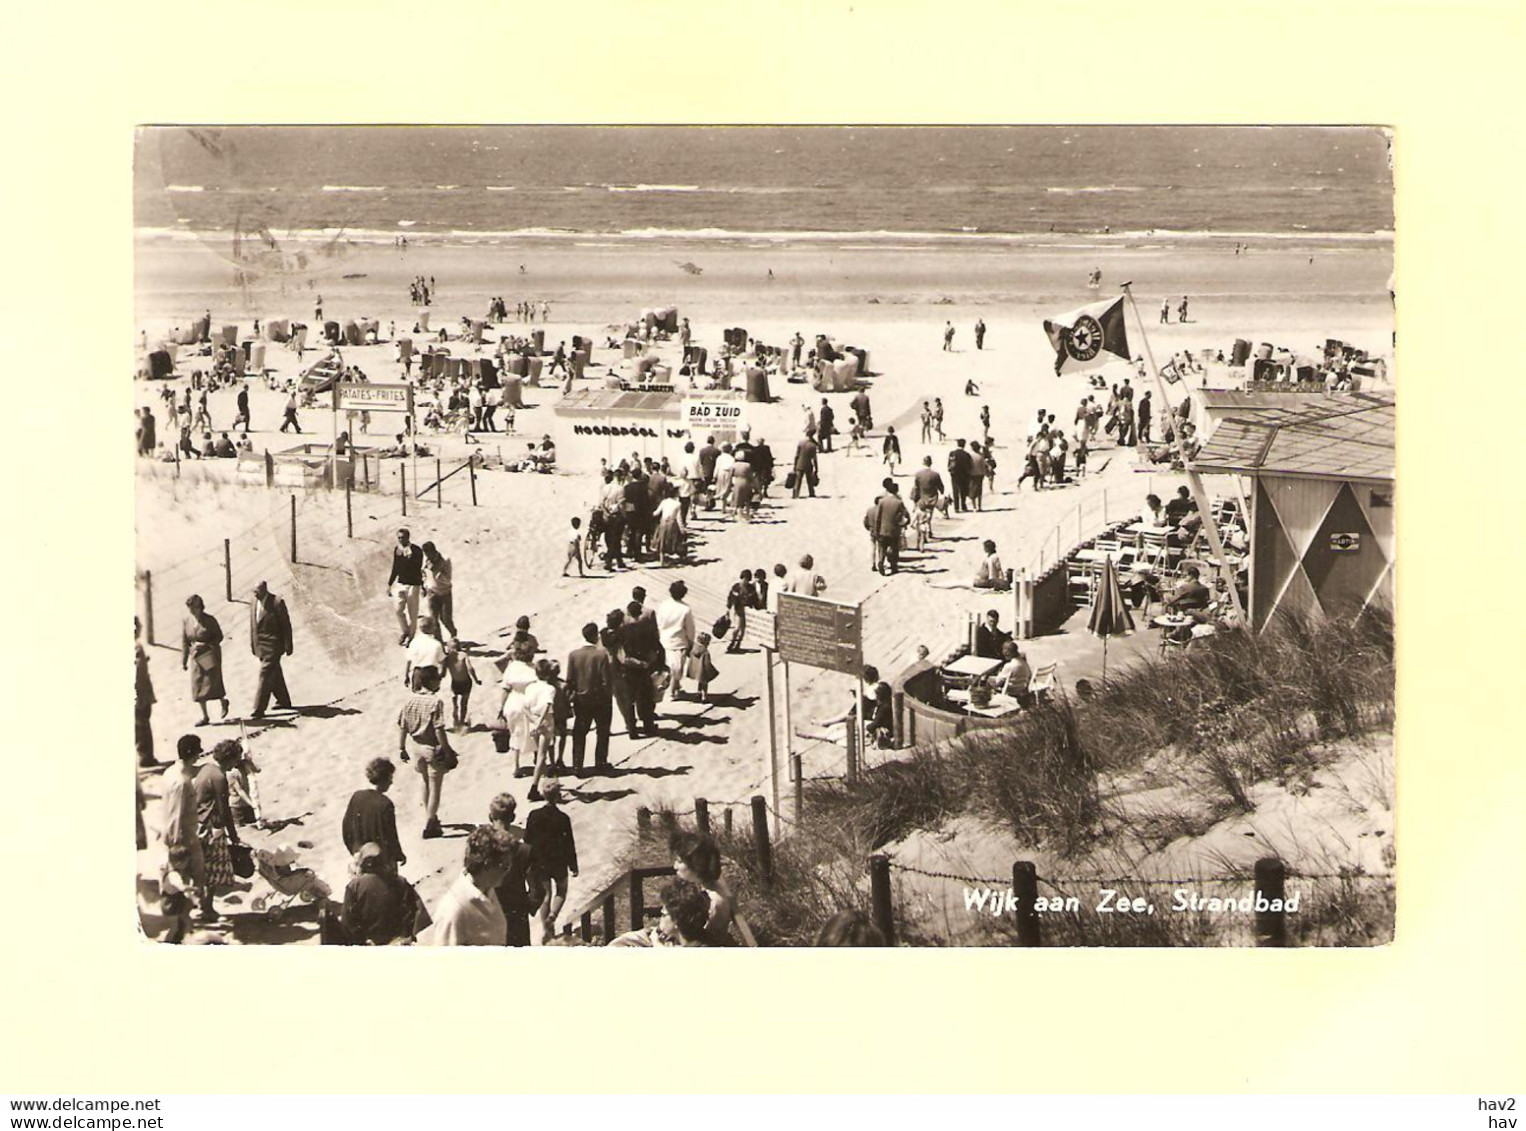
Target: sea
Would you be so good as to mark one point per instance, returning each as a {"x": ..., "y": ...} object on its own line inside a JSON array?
[{"x": 767, "y": 182}]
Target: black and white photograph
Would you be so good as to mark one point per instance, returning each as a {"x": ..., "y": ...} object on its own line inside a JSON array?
[{"x": 764, "y": 536}]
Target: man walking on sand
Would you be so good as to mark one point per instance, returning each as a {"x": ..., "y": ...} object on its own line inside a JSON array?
[
  {"x": 948, "y": 337},
  {"x": 270, "y": 641},
  {"x": 890, "y": 518},
  {"x": 959, "y": 467},
  {"x": 553, "y": 857},
  {"x": 589, "y": 688},
  {"x": 675, "y": 629},
  {"x": 805, "y": 467},
  {"x": 404, "y": 584},
  {"x": 980, "y": 334}
]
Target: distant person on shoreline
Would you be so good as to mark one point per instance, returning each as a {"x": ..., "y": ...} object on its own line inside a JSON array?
[
  {"x": 1165, "y": 312},
  {"x": 948, "y": 337},
  {"x": 980, "y": 333}
]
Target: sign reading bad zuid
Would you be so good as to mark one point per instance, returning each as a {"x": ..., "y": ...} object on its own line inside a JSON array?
[
  {"x": 721, "y": 417},
  {"x": 822, "y": 634},
  {"x": 357, "y": 396}
]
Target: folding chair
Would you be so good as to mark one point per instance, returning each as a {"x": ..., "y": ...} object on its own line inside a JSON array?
[
  {"x": 1043, "y": 682},
  {"x": 1082, "y": 581}
]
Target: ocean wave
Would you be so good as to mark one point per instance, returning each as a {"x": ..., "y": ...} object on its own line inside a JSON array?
[
  {"x": 354, "y": 188},
  {"x": 1065, "y": 191},
  {"x": 653, "y": 188},
  {"x": 500, "y": 188},
  {"x": 447, "y": 188},
  {"x": 878, "y": 239},
  {"x": 184, "y": 188}
]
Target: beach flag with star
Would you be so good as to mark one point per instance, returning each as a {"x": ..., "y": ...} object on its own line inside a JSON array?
[{"x": 1088, "y": 338}]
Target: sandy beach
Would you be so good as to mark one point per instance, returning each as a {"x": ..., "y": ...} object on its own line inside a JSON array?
[{"x": 892, "y": 299}]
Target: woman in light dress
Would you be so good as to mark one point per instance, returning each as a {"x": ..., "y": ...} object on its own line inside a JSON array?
[{"x": 201, "y": 652}]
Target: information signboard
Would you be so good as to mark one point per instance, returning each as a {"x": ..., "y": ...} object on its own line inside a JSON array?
[
  {"x": 368, "y": 396},
  {"x": 819, "y": 633},
  {"x": 721, "y": 417}
]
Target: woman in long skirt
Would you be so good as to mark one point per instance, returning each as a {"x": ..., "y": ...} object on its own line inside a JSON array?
[
  {"x": 670, "y": 532},
  {"x": 215, "y": 828},
  {"x": 201, "y": 652}
]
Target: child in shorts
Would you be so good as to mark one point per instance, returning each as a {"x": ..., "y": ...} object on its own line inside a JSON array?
[
  {"x": 574, "y": 547},
  {"x": 462, "y": 676}
]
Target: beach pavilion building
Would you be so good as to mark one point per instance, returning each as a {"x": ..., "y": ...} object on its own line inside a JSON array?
[
  {"x": 609, "y": 424},
  {"x": 1321, "y": 499}
]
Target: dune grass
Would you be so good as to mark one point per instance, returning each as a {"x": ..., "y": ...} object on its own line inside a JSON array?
[{"x": 1235, "y": 711}]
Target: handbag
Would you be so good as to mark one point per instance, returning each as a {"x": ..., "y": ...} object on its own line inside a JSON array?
[
  {"x": 721, "y": 627},
  {"x": 789, "y": 481},
  {"x": 445, "y": 757},
  {"x": 243, "y": 860}
]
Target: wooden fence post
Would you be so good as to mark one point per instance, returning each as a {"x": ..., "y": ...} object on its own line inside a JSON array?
[
  {"x": 439, "y": 484},
  {"x": 585, "y": 926},
  {"x": 1025, "y": 890},
  {"x": 270, "y": 469},
  {"x": 852, "y": 751},
  {"x": 471, "y": 471},
  {"x": 148, "y": 606},
  {"x": 228, "y": 569},
  {"x": 638, "y": 901},
  {"x": 294, "y": 530},
  {"x": 349, "y": 517},
  {"x": 402, "y": 478},
  {"x": 365, "y": 470},
  {"x": 609, "y": 918},
  {"x": 702, "y": 815},
  {"x": 1271, "y": 883},
  {"x": 797, "y": 775},
  {"x": 726, "y": 820},
  {"x": 644, "y": 822},
  {"x": 900, "y": 719},
  {"x": 760, "y": 834},
  {"x": 881, "y": 908}
]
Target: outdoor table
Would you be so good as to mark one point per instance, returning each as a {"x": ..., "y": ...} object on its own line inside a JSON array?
[
  {"x": 971, "y": 667},
  {"x": 1000, "y": 704},
  {"x": 1098, "y": 556},
  {"x": 1172, "y": 620},
  {"x": 1146, "y": 528}
]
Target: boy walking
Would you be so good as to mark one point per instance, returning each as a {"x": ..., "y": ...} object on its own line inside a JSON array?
[{"x": 574, "y": 547}]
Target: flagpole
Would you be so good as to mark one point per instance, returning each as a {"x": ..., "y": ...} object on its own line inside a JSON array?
[{"x": 1194, "y": 481}]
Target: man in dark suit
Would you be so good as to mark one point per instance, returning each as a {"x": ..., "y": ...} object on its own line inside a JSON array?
[
  {"x": 989, "y": 638},
  {"x": 762, "y": 460},
  {"x": 959, "y": 467},
  {"x": 805, "y": 467},
  {"x": 825, "y": 425},
  {"x": 890, "y": 518},
  {"x": 270, "y": 641},
  {"x": 707, "y": 457},
  {"x": 588, "y": 686},
  {"x": 643, "y": 655},
  {"x": 637, "y": 509}
]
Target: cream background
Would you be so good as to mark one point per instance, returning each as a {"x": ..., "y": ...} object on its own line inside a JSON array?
[{"x": 88, "y": 1009}]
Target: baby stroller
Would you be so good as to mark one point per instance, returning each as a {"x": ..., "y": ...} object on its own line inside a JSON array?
[{"x": 279, "y": 870}]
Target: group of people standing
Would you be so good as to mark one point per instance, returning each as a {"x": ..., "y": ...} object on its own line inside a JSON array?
[{"x": 420, "y": 293}]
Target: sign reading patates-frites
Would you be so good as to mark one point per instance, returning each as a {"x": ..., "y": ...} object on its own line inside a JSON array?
[{"x": 355, "y": 396}]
